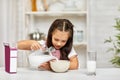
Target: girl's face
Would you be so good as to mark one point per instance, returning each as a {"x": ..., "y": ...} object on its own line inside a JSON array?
[{"x": 59, "y": 38}]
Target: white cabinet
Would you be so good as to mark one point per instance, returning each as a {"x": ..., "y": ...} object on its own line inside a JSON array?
[
  {"x": 42, "y": 20},
  {"x": 73, "y": 10}
]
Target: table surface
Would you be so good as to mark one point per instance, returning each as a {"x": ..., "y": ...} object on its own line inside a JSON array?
[{"x": 80, "y": 74}]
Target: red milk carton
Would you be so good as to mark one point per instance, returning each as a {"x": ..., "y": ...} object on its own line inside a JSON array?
[{"x": 10, "y": 58}]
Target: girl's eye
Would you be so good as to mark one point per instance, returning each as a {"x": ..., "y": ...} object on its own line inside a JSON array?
[
  {"x": 59, "y": 40},
  {"x": 56, "y": 40},
  {"x": 63, "y": 41}
]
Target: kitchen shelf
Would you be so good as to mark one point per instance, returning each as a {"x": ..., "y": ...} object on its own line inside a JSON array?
[
  {"x": 55, "y": 13},
  {"x": 79, "y": 43},
  {"x": 38, "y": 19}
]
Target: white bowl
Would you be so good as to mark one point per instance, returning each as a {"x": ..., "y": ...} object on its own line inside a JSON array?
[
  {"x": 36, "y": 60},
  {"x": 60, "y": 65}
]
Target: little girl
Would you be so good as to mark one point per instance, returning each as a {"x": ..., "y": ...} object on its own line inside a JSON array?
[{"x": 60, "y": 36}]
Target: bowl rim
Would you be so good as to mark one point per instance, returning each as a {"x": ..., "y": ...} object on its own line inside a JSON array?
[{"x": 58, "y": 70}]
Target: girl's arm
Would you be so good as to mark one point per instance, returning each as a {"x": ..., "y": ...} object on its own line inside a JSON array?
[
  {"x": 28, "y": 45},
  {"x": 45, "y": 66},
  {"x": 74, "y": 62}
]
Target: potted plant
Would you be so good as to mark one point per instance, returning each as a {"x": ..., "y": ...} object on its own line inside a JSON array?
[{"x": 115, "y": 42}]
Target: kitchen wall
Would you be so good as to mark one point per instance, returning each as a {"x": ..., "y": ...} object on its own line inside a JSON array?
[
  {"x": 8, "y": 25},
  {"x": 101, "y": 19},
  {"x": 1, "y": 34},
  {"x": 3, "y": 30}
]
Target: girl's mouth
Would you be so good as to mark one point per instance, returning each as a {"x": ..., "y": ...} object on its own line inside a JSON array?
[{"x": 57, "y": 47}]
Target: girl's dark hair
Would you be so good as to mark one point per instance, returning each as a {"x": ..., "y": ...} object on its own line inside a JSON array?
[{"x": 62, "y": 25}]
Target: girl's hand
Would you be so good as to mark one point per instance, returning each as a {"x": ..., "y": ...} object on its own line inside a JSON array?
[
  {"x": 45, "y": 66},
  {"x": 35, "y": 46},
  {"x": 38, "y": 45}
]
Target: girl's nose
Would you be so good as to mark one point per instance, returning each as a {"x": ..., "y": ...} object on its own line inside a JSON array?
[{"x": 59, "y": 44}]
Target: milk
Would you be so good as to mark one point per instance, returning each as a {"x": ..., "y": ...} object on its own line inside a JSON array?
[{"x": 91, "y": 67}]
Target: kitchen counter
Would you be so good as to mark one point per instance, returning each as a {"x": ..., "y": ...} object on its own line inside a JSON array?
[{"x": 80, "y": 74}]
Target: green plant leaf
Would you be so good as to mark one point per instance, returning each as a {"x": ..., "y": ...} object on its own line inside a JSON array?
[
  {"x": 117, "y": 51},
  {"x": 116, "y": 44},
  {"x": 118, "y": 36},
  {"x": 109, "y": 40},
  {"x": 116, "y": 60},
  {"x": 117, "y": 26},
  {"x": 110, "y": 49}
]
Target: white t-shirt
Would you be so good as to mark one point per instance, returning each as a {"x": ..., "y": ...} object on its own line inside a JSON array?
[{"x": 72, "y": 53}]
